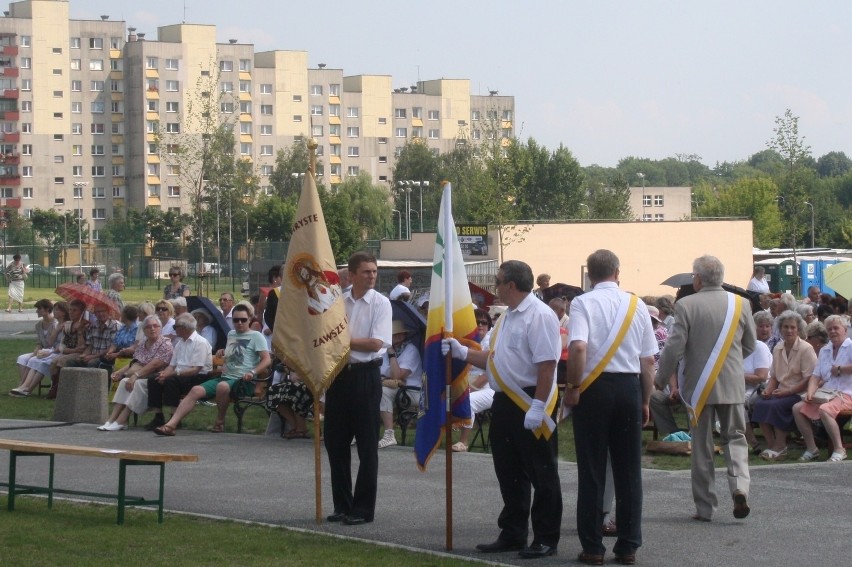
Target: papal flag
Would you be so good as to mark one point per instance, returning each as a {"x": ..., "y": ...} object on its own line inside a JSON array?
[
  {"x": 450, "y": 314},
  {"x": 311, "y": 331}
]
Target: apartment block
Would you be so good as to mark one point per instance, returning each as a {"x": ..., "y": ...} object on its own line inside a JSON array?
[
  {"x": 661, "y": 203},
  {"x": 86, "y": 105}
]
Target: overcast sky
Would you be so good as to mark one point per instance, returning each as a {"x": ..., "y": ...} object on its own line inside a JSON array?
[{"x": 605, "y": 78}]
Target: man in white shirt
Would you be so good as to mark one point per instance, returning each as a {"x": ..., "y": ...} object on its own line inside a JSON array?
[
  {"x": 226, "y": 304},
  {"x": 403, "y": 287},
  {"x": 758, "y": 281}
]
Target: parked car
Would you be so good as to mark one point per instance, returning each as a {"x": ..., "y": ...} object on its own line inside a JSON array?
[{"x": 39, "y": 270}]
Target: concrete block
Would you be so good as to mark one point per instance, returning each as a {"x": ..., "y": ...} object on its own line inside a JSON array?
[{"x": 82, "y": 396}]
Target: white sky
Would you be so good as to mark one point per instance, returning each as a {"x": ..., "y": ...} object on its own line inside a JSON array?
[{"x": 606, "y": 78}]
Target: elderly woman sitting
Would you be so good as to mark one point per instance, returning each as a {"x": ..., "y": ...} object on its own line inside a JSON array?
[
  {"x": 151, "y": 355},
  {"x": 833, "y": 372},
  {"x": 763, "y": 327},
  {"x": 793, "y": 362},
  {"x": 816, "y": 335},
  {"x": 166, "y": 312}
]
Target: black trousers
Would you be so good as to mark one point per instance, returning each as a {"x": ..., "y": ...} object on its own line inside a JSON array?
[
  {"x": 608, "y": 420},
  {"x": 524, "y": 463},
  {"x": 171, "y": 390},
  {"x": 352, "y": 410}
]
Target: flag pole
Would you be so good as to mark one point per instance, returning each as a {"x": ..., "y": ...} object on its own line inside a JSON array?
[
  {"x": 448, "y": 480},
  {"x": 317, "y": 465},
  {"x": 312, "y": 156}
]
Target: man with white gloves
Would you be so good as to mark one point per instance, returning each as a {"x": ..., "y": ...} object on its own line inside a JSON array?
[{"x": 521, "y": 367}]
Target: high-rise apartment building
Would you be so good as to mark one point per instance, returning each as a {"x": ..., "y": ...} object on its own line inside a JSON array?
[{"x": 84, "y": 103}]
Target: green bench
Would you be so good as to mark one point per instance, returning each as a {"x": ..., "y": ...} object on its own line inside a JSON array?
[{"x": 125, "y": 458}]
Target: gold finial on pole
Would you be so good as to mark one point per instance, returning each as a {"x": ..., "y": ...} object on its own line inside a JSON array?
[{"x": 312, "y": 156}]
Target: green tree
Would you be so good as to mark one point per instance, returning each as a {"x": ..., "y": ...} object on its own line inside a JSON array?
[
  {"x": 610, "y": 201},
  {"x": 368, "y": 204},
  {"x": 833, "y": 164},
  {"x": 753, "y": 198},
  {"x": 273, "y": 217},
  {"x": 294, "y": 159},
  {"x": 54, "y": 230},
  {"x": 795, "y": 181}
]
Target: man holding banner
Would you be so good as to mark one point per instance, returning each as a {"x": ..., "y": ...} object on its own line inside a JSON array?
[
  {"x": 521, "y": 365},
  {"x": 713, "y": 332},
  {"x": 610, "y": 378}
]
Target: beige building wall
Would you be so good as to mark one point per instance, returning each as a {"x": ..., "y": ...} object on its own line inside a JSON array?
[
  {"x": 649, "y": 252},
  {"x": 661, "y": 203}
]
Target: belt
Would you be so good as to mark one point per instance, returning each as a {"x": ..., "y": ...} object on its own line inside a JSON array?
[{"x": 375, "y": 363}]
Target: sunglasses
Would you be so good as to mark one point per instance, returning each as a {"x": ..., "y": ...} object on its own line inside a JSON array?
[
  {"x": 162, "y": 308},
  {"x": 240, "y": 320}
]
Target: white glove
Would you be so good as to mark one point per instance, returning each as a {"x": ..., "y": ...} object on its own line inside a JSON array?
[
  {"x": 459, "y": 350},
  {"x": 535, "y": 415}
]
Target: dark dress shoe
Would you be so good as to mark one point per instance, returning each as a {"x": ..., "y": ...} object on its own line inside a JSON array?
[
  {"x": 609, "y": 529},
  {"x": 537, "y": 550},
  {"x": 336, "y": 517},
  {"x": 355, "y": 520},
  {"x": 626, "y": 558},
  {"x": 741, "y": 508},
  {"x": 591, "y": 558},
  {"x": 155, "y": 423},
  {"x": 500, "y": 546}
]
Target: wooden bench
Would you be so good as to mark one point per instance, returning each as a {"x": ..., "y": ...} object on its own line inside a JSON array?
[{"x": 126, "y": 458}]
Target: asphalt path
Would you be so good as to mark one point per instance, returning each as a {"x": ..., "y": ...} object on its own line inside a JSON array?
[
  {"x": 800, "y": 513},
  {"x": 17, "y": 325}
]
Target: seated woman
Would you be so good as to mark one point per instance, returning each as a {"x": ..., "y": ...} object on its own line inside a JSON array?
[
  {"x": 401, "y": 366},
  {"x": 481, "y": 393},
  {"x": 73, "y": 341},
  {"x": 756, "y": 369},
  {"x": 816, "y": 335},
  {"x": 763, "y": 323},
  {"x": 203, "y": 318},
  {"x": 834, "y": 372},
  {"x": 143, "y": 310},
  {"x": 151, "y": 355},
  {"x": 124, "y": 342},
  {"x": 44, "y": 328},
  {"x": 166, "y": 312},
  {"x": 37, "y": 365},
  {"x": 793, "y": 362},
  {"x": 294, "y": 402}
]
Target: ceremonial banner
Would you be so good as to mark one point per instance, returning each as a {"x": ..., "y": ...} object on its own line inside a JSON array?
[
  {"x": 311, "y": 331},
  {"x": 451, "y": 313}
]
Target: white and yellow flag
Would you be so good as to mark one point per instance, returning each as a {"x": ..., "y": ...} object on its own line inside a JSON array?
[{"x": 311, "y": 331}]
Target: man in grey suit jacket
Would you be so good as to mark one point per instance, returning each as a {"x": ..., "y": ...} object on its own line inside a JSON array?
[{"x": 713, "y": 332}]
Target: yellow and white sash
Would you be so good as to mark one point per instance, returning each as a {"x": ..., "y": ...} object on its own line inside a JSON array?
[
  {"x": 516, "y": 394},
  {"x": 601, "y": 357},
  {"x": 707, "y": 379}
]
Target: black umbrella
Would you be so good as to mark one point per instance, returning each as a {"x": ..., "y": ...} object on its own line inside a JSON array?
[
  {"x": 752, "y": 296},
  {"x": 219, "y": 323},
  {"x": 412, "y": 320},
  {"x": 679, "y": 280},
  {"x": 565, "y": 291}
]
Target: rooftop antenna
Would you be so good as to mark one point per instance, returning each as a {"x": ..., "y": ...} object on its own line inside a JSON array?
[{"x": 184, "y": 12}]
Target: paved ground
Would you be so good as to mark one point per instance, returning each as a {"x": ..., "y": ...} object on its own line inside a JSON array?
[
  {"x": 800, "y": 514},
  {"x": 17, "y": 325}
]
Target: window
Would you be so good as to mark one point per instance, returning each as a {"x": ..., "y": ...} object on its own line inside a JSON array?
[
  {"x": 266, "y": 150},
  {"x": 173, "y": 169},
  {"x": 58, "y": 180},
  {"x": 154, "y": 169},
  {"x": 245, "y": 128},
  {"x": 245, "y": 107},
  {"x": 266, "y": 88},
  {"x": 27, "y": 149},
  {"x": 115, "y": 42},
  {"x": 334, "y": 90},
  {"x": 266, "y": 109},
  {"x": 491, "y": 115},
  {"x": 172, "y": 64},
  {"x": 97, "y": 128},
  {"x": 26, "y": 84},
  {"x": 28, "y": 192},
  {"x": 98, "y": 192},
  {"x": 434, "y": 115},
  {"x": 245, "y": 86},
  {"x": 417, "y": 112},
  {"x": 334, "y": 110},
  {"x": 474, "y": 115},
  {"x": 646, "y": 200},
  {"x": 154, "y": 191},
  {"x": 507, "y": 115},
  {"x": 26, "y": 106},
  {"x": 245, "y": 64},
  {"x": 352, "y": 112},
  {"x": 506, "y": 132},
  {"x": 352, "y": 170},
  {"x": 226, "y": 87},
  {"x": 96, "y": 64},
  {"x": 316, "y": 131},
  {"x": 171, "y": 149},
  {"x": 658, "y": 200},
  {"x": 77, "y": 149},
  {"x": 335, "y": 169},
  {"x": 245, "y": 149},
  {"x": 96, "y": 86},
  {"x": 57, "y": 94},
  {"x": 316, "y": 110},
  {"x": 117, "y": 193},
  {"x": 226, "y": 66},
  {"x": 153, "y": 85},
  {"x": 659, "y": 217},
  {"x": 151, "y": 63},
  {"x": 58, "y": 137},
  {"x": 383, "y": 140},
  {"x": 116, "y": 86},
  {"x": 25, "y": 40},
  {"x": 266, "y": 170},
  {"x": 475, "y": 134},
  {"x": 646, "y": 217},
  {"x": 316, "y": 90},
  {"x": 27, "y": 62},
  {"x": 151, "y": 126},
  {"x": 297, "y": 118},
  {"x": 297, "y": 98},
  {"x": 266, "y": 129},
  {"x": 97, "y": 150},
  {"x": 397, "y": 151},
  {"x": 434, "y": 133},
  {"x": 417, "y": 132},
  {"x": 399, "y": 113},
  {"x": 335, "y": 150},
  {"x": 383, "y": 159},
  {"x": 27, "y": 127},
  {"x": 76, "y": 86},
  {"x": 401, "y": 132},
  {"x": 27, "y": 171},
  {"x": 173, "y": 127},
  {"x": 96, "y": 43},
  {"x": 98, "y": 171},
  {"x": 117, "y": 149},
  {"x": 57, "y": 50},
  {"x": 76, "y": 128},
  {"x": 172, "y": 86},
  {"x": 353, "y": 132},
  {"x": 174, "y": 190},
  {"x": 353, "y": 151},
  {"x": 268, "y": 190},
  {"x": 383, "y": 120},
  {"x": 226, "y": 107},
  {"x": 115, "y": 64},
  {"x": 75, "y": 43},
  {"x": 98, "y": 107},
  {"x": 171, "y": 106},
  {"x": 77, "y": 171},
  {"x": 152, "y": 149},
  {"x": 97, "y": 214}
]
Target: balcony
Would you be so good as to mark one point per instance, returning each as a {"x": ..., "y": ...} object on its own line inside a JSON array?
[
  {"x": 9, "y": 72},
  {"x": 12, "y": 137},
  {"x": 10, "y": 159},
  {"x": 11, "y": 115},
  {"x": 9, "y": 50},
  {"x": 10, "y": 180},
  {"x": 11, "y": 93}
]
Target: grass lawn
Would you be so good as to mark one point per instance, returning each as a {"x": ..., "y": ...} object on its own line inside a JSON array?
[
  {"x": 131, "y": 294},
  {"x": 86, "y": 535}
]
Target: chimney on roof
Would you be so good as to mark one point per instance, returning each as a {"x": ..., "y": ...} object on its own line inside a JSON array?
[
  {"x": 141, "y": 36},
  {"x": 413, "y": 88},
  {"x": 131, "y": 33},
  {"x": 232, "y": 41},
  {"x": 6, "y": 13},
  {"x": 321, "y": 65},
  {"x": 403, "y": 89},
  {"x": 493, "y": 93},
  {"x": 104, "y": 18}
]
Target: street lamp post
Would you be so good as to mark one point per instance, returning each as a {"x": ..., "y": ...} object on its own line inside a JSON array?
[
  {"x": 812, "y": 223},
  {"x": 399, "y": 234},
  {"x": 407, "y": 186},
  {"x": 642, "y": 177},
  {"x": 78, "y": 195},
  {"x": 588, "y": 210}
]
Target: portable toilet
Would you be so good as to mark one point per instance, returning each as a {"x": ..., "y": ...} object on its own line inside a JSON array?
[
  {"x": 779, "y": 274},
  {"x": 810, "y": 272}
]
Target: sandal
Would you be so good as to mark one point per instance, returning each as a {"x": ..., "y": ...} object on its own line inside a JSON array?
[
  {"x": 809, "y": 455},
  {"x": 837, "y": 456},
  {"x": 459, "y": 447},
  {"x": 295, "y": 434},
  {"x": 165, "y": 431},
  {"x": 218, "y": 427}
]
